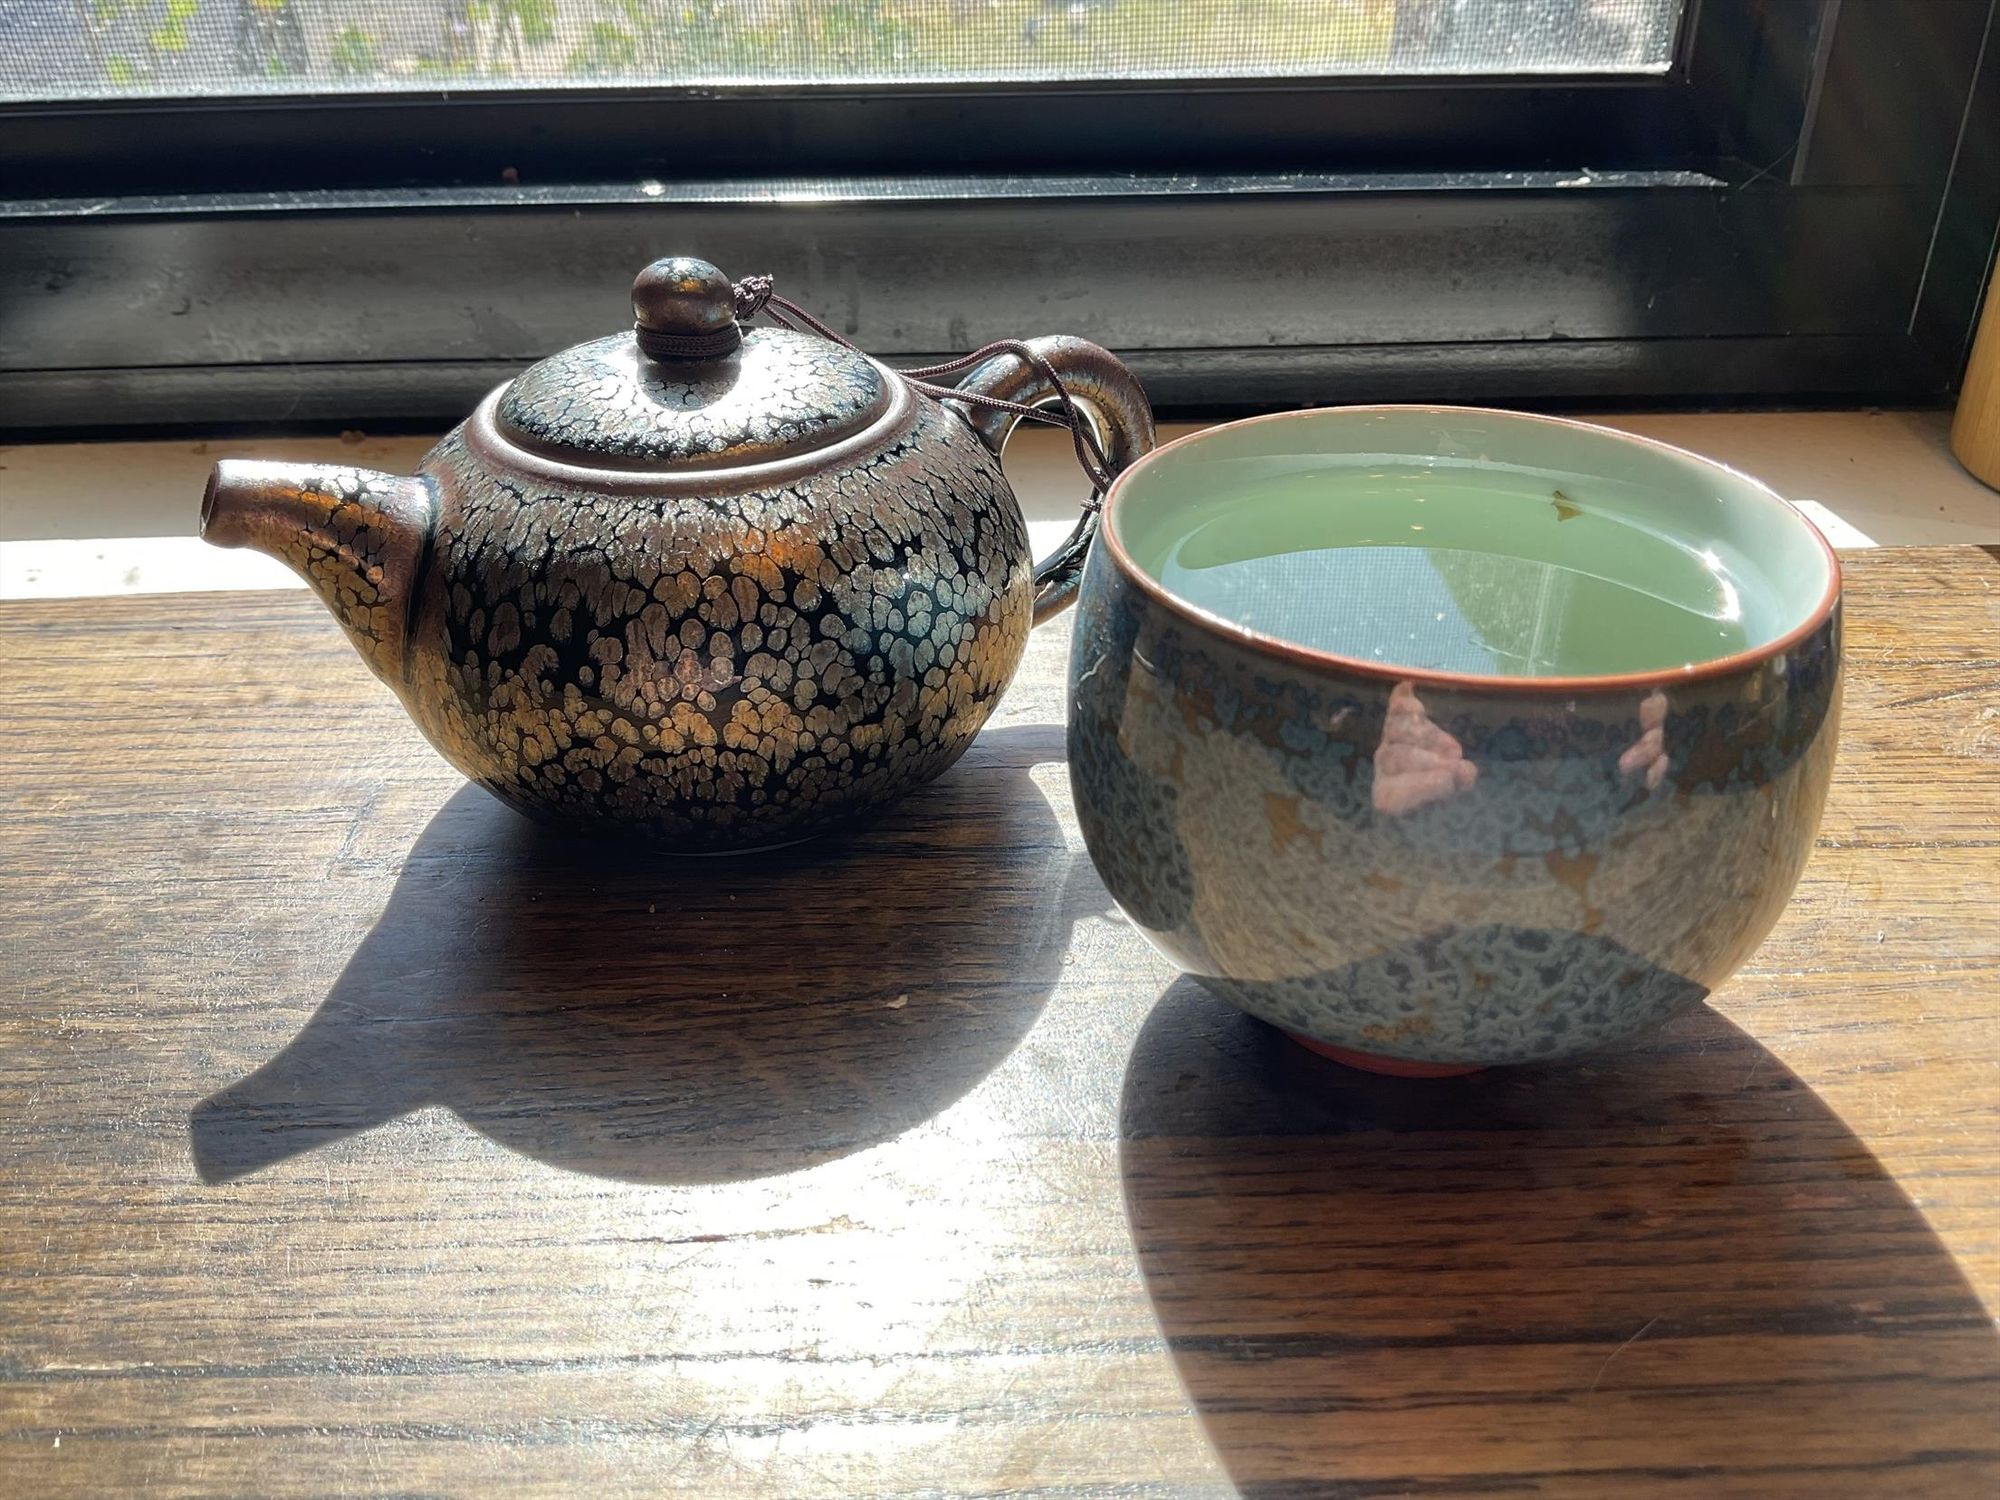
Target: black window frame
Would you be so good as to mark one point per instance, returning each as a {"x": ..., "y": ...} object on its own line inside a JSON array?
[{"x": 1789, "y": 213}]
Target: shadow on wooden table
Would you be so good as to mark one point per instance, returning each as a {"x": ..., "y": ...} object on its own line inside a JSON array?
[
  {"x": 619, "y": 1012},
  {"x": 1671, "y": 1271}
]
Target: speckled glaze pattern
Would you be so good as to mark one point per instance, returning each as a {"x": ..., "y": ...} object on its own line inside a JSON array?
[
  {"x": 729, "y": 671},
  {"x": 1598, "y": 863},
  {"x": 718, "y": 587},
  {"x": 355, "y": 535},
  {"x": 604, "y": 402}
]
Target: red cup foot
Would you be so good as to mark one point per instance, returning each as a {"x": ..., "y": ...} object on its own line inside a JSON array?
[{"x": 1392, "y": 1067}]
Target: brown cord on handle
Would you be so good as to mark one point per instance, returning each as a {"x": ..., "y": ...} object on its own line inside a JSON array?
[{"x": 755, "y": 294}]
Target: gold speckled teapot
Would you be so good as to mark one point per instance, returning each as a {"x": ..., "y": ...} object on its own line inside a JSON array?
[{"x": 718, "y": 586}]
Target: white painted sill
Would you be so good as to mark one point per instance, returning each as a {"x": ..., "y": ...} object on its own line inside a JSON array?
[{"x": 80, "y": 519}]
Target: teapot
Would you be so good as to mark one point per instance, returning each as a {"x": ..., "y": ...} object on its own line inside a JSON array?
[{"x": 716, "y": 586}]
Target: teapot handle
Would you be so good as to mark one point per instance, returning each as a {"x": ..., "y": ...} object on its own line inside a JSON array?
[{"x": 1111, "y": 399}]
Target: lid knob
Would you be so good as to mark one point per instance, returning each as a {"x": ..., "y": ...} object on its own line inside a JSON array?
[{"x": 684, "y": 309}]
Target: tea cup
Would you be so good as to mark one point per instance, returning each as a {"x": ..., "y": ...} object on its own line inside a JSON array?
[{"x": 1542, "y": 822}]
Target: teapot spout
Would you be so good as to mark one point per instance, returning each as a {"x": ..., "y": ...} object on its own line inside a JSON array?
[{"x": 358, "y": 537}]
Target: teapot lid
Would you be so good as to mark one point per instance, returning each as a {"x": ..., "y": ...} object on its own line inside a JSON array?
[{"x": 688, "y": 388}]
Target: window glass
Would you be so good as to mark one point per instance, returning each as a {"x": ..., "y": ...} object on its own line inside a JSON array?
[{"x": 82, "y": 49}]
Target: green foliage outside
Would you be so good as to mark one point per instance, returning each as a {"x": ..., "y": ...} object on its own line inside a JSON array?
[
  {"x": 129, "y": 42},
  {"x": 354, "y": 54},
  {"x": 165, "y": 31},
  {"x": 171, "y": 35},
  {"x": 806, "y": 39}
]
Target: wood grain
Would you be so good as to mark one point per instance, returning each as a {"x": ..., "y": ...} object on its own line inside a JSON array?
[{"x": 356, "y": 1139}]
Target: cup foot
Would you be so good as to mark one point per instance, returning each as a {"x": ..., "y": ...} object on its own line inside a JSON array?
[{"x": 1392, "y": 1067}]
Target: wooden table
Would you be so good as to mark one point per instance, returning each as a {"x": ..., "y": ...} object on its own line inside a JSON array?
[{"x": 357, "y": 1140}]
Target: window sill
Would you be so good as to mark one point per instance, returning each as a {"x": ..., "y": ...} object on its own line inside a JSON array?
[{"x": 82, "y": 519}]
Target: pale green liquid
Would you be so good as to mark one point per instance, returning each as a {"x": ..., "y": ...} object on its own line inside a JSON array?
[{"x": 1455, "y": 570}]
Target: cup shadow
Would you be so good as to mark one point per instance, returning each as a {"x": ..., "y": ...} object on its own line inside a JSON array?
[
  {"x": 1665, "y": 1272},
  {"x": 612, "y": 1010}
]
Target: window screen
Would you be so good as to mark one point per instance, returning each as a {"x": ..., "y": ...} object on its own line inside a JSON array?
[{"x": 83, "y": 49}]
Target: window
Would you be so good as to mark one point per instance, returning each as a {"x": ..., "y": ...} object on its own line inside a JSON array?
[
  {"x": 70, "y": 49},
  {"x": 242, "y": 211}
]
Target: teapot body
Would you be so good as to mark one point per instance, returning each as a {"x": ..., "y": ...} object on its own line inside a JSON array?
[
  {"x": 714, "y": 586},
  {"x": 719, "y": 664}
]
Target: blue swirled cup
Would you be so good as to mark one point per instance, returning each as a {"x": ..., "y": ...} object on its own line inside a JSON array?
[{"x": 1585, "y": 856}]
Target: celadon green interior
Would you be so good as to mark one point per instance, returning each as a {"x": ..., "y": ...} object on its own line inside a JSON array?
[{"x": 1643, "y": 504}]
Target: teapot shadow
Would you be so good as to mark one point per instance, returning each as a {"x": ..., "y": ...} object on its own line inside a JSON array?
[
  {"x": 611, "y": 1010},
  {"x": 1665, "y": 1271}
]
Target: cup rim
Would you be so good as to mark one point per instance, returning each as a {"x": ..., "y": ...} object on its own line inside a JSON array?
[{"x": 1309, "y": 656}]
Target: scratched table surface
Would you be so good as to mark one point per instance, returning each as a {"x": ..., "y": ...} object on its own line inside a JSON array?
[{"x": 358, "y": 1139}]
